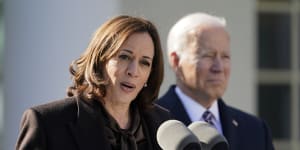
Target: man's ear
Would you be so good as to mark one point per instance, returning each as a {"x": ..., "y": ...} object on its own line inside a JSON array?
[{"x": 174, "y": 60}]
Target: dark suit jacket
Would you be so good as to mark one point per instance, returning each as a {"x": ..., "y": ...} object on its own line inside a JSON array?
[
  {"x": 71, "y": 124},
  {"x": 243, "y": 131}
]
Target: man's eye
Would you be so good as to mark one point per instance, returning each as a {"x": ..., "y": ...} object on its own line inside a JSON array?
[
  {"x": 208, "y": 56},
  {"x": 226, "y": 56}
]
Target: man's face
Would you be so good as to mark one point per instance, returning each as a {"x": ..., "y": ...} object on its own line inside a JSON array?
[{"x": 204, "y": 65}]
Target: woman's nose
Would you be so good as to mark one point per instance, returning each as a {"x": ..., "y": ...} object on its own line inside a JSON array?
[{"x": 132, "y": 69}]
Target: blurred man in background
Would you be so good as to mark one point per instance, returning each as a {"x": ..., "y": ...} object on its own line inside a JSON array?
[{"x": 199, "y": 54}]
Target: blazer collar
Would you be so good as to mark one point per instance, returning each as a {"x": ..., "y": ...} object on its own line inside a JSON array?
[
  {"x": 88, "y": 129},
  {"x": 152, "y": 119}
]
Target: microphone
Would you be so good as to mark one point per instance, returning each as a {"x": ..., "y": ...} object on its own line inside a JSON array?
[
  {"x": 208, "y": 136},
  {"x": 174, "y": 135}
]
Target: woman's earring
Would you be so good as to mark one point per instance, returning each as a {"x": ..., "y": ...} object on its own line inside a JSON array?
[{"x": 145, "y": 85}]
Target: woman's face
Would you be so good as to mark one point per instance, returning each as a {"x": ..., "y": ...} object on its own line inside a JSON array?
[{"x": 129, "y": 69}]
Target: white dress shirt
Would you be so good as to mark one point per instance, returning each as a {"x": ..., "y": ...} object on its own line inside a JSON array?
[{"x": 195, "y": 110}]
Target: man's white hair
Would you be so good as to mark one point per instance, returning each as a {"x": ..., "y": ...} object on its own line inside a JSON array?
[{"x": 177, "y": 38}]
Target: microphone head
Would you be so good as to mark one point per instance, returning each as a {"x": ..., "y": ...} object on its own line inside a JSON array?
[
  {"x": 208, "y": 136},
  {"x": 173, "y": 135}
]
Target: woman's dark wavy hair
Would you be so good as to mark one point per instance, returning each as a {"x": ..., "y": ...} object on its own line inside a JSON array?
[{"x": 88, "y": 75}]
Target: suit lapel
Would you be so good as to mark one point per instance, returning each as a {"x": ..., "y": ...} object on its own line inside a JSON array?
[
  {"x": 177, "y": 108},
  {"x": 87, "y": 130},
  {"x": 230, "y": 125}
]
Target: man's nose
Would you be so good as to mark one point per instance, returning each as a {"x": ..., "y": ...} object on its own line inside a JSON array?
[{"x": 217, "y": 65}]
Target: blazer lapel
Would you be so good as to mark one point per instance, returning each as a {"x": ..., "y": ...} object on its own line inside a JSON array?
[
  {"x": 151, "y": 120},
  {"x": 230, "y": 125},
  {"x": 87, "y": 130}
]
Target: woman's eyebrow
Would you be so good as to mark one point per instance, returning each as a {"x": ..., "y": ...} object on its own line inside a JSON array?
[
  {"x": 147, "y": 57},
  {"x": 127, "y": 50}
]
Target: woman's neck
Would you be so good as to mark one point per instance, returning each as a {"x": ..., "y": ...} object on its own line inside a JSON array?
[{"x": 120, "y": 112}]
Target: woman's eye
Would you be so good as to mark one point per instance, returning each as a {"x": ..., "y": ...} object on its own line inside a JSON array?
[
  {"x": 124, "y": 57},
  {"x": 146, "y": 63}
]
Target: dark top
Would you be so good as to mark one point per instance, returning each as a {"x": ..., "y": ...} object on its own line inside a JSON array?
[
  {"x": 73, "y": 124},
  {"x": 132, "y": 138},
  {"x": 242, "y": 130}
]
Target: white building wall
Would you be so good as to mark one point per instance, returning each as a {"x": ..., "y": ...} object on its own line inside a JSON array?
[{"x": 43, "y": 37}]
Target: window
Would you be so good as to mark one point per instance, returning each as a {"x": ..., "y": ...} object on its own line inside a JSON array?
[{"x": 278, "y": 50}]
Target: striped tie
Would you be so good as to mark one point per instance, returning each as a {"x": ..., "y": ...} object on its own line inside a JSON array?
[{"x": 208, "y": 117}]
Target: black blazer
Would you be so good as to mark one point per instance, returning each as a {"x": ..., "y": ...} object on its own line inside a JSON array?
[
  {"x": 70, "y": 124},
  {"x": 243, "y": 131}
]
